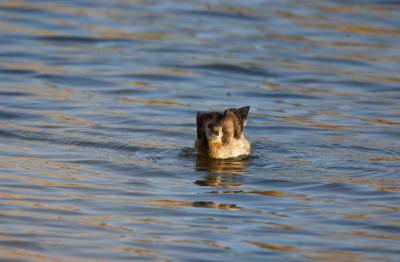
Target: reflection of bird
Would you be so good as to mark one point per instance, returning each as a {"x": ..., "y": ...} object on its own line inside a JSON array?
[
  {"x": 220, "y": 135},
  {"x": 236, "y": 166}
]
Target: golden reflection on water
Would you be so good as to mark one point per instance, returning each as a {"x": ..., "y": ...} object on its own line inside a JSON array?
[
  {"x": 20, "y": 254},
  {"x": 334, "y": 44},
  {"x": 37, "y": 68},
  {"x": 309, "y": 121},
  {"x": 316, "y": 254},
  {"x": 374, "y": 235},
  {"x": 25, "y": 30},
  {"x": 46, "y": 93},
  {"x": 173, "y": 71},
  {"x": 137, "y": 251},
  {"x": 152, "y": 102},
  {"x": 330, "y": 255},
  {"x": 273, "y": 246},
  {"x": 280, "y": 226},
  {"x": 268, "y": 193},
  {"x": 356, "y": 216},
  {"x": 208, "y": 243},
  {"x": 56, "y": 7},
  {"x": 202, "y": 204},
  {"x": 42, "y": 206},
  {"x": 73, "y": 120},
  {"x": 114, "y": 33},
  {"x": 355, "y": 29}
]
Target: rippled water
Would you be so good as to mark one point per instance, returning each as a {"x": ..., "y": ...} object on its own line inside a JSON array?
[{"x": 97, "y": 124}]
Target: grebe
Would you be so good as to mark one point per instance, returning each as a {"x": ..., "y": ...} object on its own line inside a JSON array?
[{"x": 220, "y": 135}]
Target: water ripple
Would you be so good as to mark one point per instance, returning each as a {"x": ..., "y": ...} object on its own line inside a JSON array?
[
  {"x": 233, "y": 69},
  {"x": 97, "y": 127}
]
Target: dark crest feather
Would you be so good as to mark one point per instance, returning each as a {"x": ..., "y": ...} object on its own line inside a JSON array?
[
  {"x": 199, "y": 122},
  {"x": 244, "y": 111},
  {"x": 237, "y": 116}
]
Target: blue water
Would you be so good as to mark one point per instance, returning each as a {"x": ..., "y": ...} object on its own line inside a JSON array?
[{"x": 97, "y": 123}]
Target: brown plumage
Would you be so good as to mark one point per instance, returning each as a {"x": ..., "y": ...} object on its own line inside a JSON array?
[
  {"x": 202, "y": 120},
  {"x": 234, "y": 120},
  {"x": 220, "y": 135}
]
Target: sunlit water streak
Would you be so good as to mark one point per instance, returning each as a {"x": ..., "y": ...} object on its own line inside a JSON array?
[{"x": 97, "y": 124}]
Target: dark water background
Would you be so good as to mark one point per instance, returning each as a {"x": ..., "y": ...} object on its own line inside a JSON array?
[{"x": 97, "y": 124}]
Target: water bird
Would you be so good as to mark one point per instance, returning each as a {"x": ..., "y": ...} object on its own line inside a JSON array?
[{"x": 220, "y": 135}]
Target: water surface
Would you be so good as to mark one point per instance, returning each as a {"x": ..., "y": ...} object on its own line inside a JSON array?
[{"x": 97, "y": 124}]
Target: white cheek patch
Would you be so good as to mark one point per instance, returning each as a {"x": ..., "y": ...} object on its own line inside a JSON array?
[
  {"x": 209, "y": 134},
  {"x": 212, "y": 135}
]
